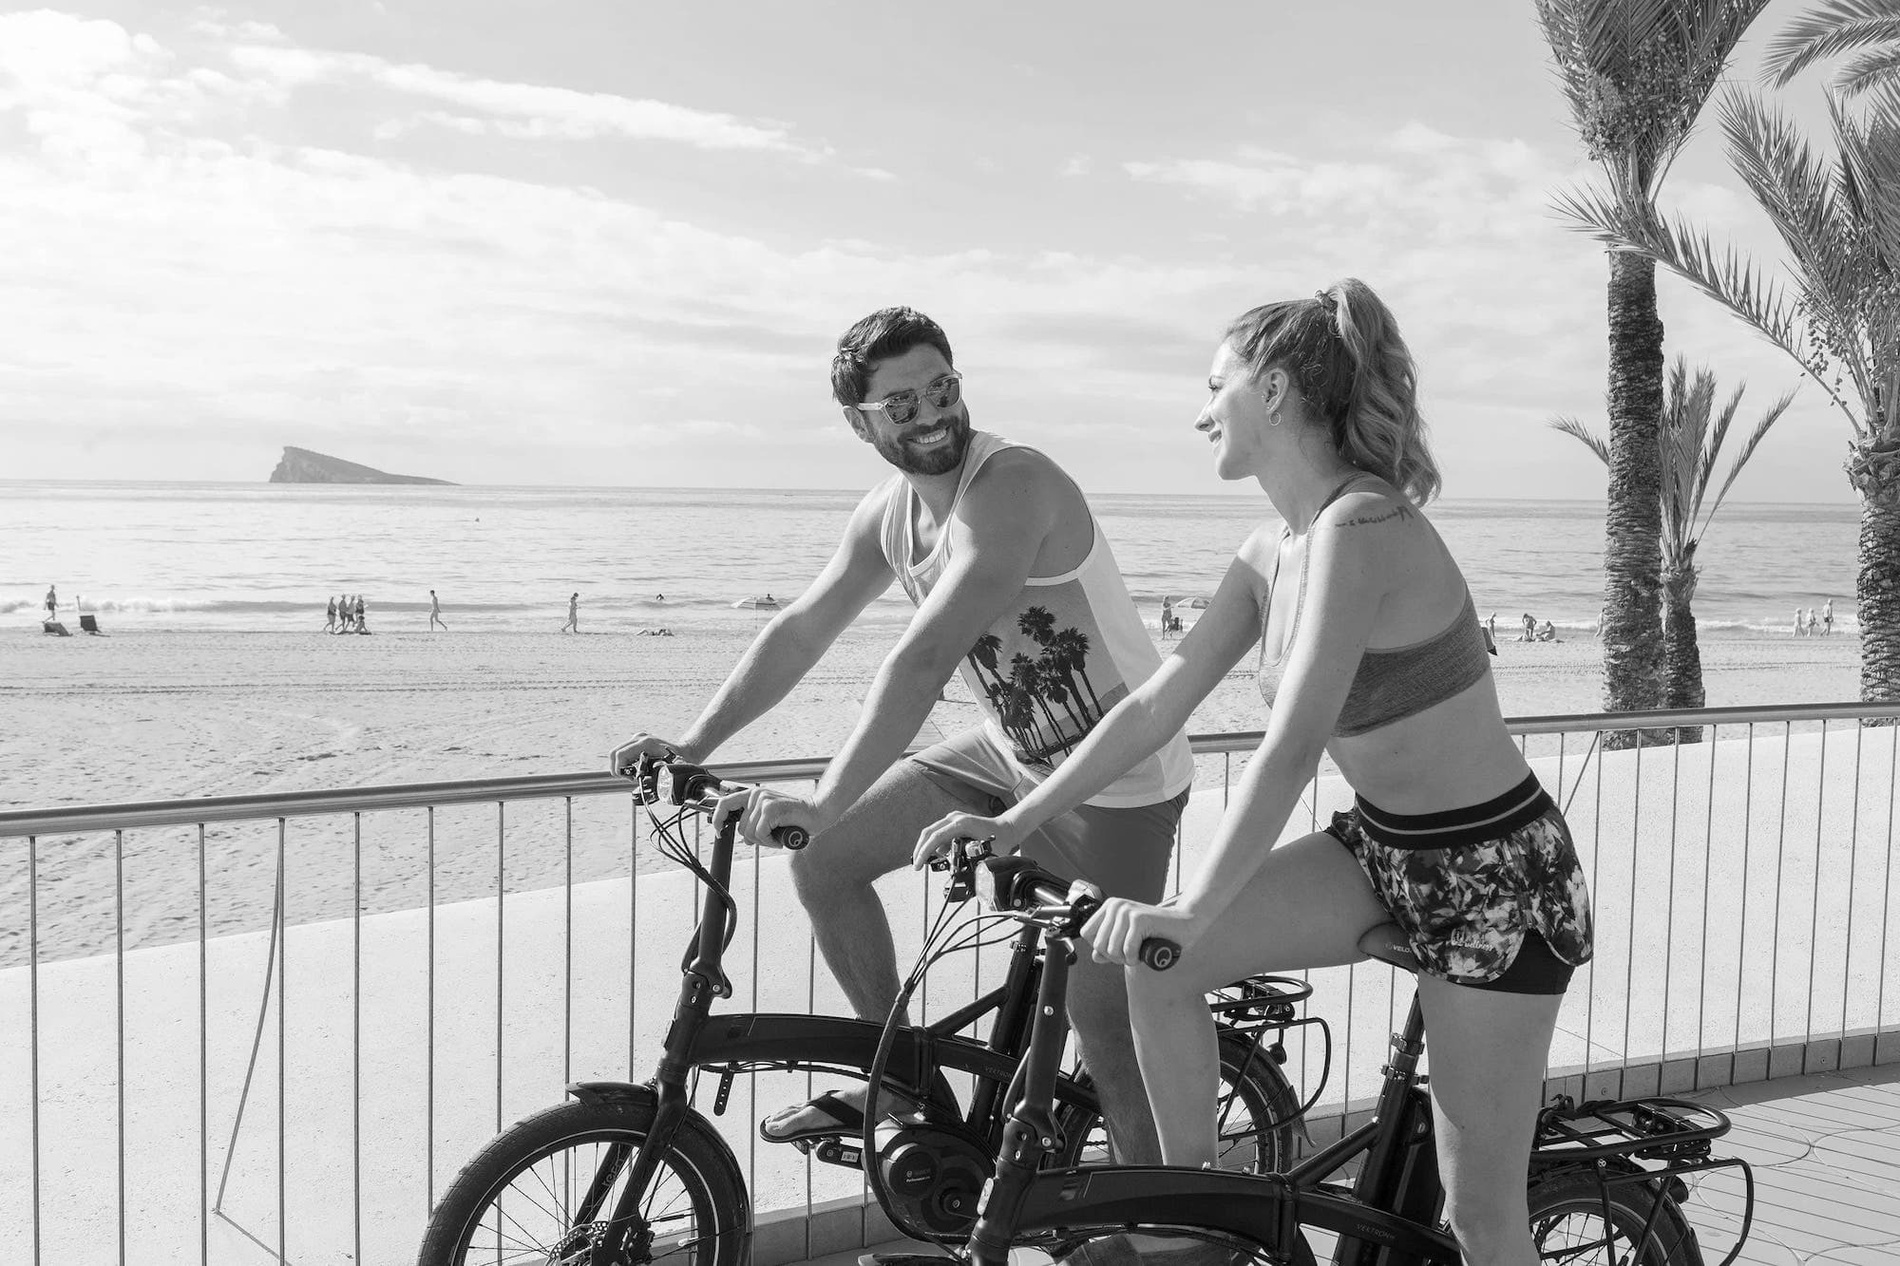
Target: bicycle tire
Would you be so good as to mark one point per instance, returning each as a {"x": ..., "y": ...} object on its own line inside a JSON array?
[
  {"x": 704, "y": 1217},
  {"x": 1238, "y": 1252},
  {"x": 1259, "y": 1142},
  {"x": 1569, "y": 1208}
]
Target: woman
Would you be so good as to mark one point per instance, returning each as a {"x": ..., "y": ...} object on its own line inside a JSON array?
[{"x": 1370, "y": 651}]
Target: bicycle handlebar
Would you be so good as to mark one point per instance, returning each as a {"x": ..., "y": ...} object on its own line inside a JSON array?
[
  {"x": 696, "y": 789},
  {"x": 1022, "y": 886}
]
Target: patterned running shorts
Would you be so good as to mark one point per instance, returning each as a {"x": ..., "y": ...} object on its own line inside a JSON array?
[{"x": 1491, "y": 896}]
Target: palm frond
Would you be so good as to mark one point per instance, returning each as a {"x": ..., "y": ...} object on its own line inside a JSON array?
[
  {"x": 1571, "y": 426},
  {"x": 1710, "y": 451},
  {"x": 1768, "y": 419},
  {"x": 1685, "y": 420},
  {"x": 1795, "y": 188},
  {"x": 1872, "y": 69},
  {"x": 1726, "y": 276},
  {"x": 1833, "y": 28}
]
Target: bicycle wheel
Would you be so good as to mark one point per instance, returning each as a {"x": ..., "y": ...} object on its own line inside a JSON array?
[
  {"x": 1572, "y": 1223},
  {"x": 542, "y": 1190},
  {"x": 1255, "y": 1117}
]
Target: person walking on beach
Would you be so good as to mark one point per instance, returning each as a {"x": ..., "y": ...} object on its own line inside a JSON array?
[
  {"x": 435, "y": 613},
  {"x": 1530, "y": 629},
  {"x": 362, "y": 614},
  {"x": 1827, "y": 618},
  {"x": 329, "y": 617},
  {"x": 1006, "y": 564},
  {"x": 573, "y": 615},
  {"x": 52, "y": 603},
  {"x": 1370, "y": 652},
  {"x": 1800, "y": 623}
]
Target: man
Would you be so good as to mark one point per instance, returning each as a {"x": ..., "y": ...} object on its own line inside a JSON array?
[
  {"x": 1016, "y": 588},
  {"x": 435, "y": 613},
  {"x": 573, "y": 624}
]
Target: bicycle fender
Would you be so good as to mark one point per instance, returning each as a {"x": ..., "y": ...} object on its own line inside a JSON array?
[{"x": 627, "y": 1092}]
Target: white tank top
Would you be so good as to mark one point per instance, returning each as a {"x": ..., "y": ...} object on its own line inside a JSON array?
[{"x": 1068, "y": 649}]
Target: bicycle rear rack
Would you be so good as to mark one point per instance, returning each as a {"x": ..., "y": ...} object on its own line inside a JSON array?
[{"x": 1650, "y": 1141}]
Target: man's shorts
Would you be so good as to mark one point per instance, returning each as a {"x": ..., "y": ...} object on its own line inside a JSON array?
[
  {"x": 1124, "y": 852},
  {"x": 1491, "y": 896}
]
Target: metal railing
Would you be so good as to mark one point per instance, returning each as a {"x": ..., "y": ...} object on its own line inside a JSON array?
[{"x": 519, "y": 937}]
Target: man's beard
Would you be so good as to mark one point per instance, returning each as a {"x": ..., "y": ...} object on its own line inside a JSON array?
[{"x": 939, "y": 460}]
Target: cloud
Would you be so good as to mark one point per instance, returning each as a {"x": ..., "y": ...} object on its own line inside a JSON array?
[{"x": 521, "y": 110}]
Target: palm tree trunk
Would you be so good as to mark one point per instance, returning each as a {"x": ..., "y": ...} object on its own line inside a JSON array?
[
  {"x": 1632, "y": 556},
  {"x": 1878, "y": 586},
  {"x": 1682, "y": 653}
]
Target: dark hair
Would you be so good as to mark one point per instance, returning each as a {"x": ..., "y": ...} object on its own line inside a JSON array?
[
  {"x": 1343, "y": 351},
  {"x": 885, "y": 333}
]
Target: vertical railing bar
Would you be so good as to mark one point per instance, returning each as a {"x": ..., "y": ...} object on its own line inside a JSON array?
[
  {"x": 283, "y": 1047},
  {"x": 1708, "y": 859},
  {"x": 1629, "y": 961},
  {"x": 1563, "y": 738},
  {"x": 204, "y": 1060},
  {"x": 1886, "y": 889},
  {"x": 1669, "y": 919},
  {"x": 1814, "y": 909},
  {"x": 33, "y": 1019},
  {"x": 1774, "y": 927},
  {"x": 752, "y": 1077},
  {"x": 118, "y": 976},
  {"x": 633, "y": 919},
  {"x": 1853, "y": 877},
  {"x": 567, "y": 953},
  {"x": 1596, "y": 870},
  {"x": 501, "y": 943},
  {"x": 428, "y": 1145},
  {"x": 356, "y": 1035},
  {"x": 1748, "y": 850}
]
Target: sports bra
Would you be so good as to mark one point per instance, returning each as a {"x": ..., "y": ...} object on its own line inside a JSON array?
[{"x": 1391, "y": 683}]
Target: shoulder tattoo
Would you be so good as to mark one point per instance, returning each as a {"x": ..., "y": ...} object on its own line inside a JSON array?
[{"x": 1400, "y": 512}]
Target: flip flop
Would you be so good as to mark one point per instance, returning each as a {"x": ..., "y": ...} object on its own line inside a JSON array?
[{"x": 845, "y": 1119}]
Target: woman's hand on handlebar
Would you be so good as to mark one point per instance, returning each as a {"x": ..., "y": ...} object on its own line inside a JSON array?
[
  {"x": 1115, "y": 932},
  {"x": 1004, "y": 835}
]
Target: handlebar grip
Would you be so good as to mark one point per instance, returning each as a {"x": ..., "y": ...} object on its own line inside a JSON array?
[
  {"x": 791, "y": 837},
  {"x": 1159, "y": 953}
]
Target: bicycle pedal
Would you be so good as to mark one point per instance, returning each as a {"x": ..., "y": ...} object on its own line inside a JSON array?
[{"x": 835, "y": 1151}]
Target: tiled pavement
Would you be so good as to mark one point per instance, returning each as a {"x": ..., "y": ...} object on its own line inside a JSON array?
[{"x": 1826, "y": 1152}]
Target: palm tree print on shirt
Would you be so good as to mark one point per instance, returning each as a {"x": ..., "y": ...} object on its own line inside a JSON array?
[{"x": 1045, "y": 703}]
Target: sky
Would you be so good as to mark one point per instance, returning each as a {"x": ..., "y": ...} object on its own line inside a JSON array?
[{"x": 614, "y": 243}]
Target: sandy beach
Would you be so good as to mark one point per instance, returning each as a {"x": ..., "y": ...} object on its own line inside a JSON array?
[{"x": 160, "y": 715}]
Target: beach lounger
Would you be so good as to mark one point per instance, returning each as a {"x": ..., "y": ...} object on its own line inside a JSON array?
[
  {"x": 88, "y": 624},
  {"x": 55, "y": 628}
]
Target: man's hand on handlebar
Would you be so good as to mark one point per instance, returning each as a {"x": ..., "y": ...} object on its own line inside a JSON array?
[
  {"x": 1116, "y": 931},
  {"x": 1004, "y": 836},
  {"x": 761, "y": 811},
  {"x": 628, "y": 754}
]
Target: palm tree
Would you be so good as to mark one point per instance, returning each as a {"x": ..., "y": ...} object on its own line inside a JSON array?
[
  {"x": 1839, "y": 216},
  {"x": 1072, "y": 644},
  {"x": 1025, "y": 675},
  {"x": 1837, "y": 27},
  {"x": 1692, "y": 436},
  {"x": 1637, "y": 74},
  {"x": 1038, "y": 624}
]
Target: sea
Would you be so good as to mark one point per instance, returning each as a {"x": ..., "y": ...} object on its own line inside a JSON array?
[{"x": 267, "y": 557}]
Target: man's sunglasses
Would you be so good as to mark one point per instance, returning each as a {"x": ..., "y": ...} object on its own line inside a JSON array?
[{"x": 900, "y": 407}]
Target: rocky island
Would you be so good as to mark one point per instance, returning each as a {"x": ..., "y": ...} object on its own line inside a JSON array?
[{"x": 301, "y": 466}]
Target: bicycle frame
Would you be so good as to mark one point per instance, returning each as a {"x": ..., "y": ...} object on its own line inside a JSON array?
[
  {"x": 740, "y": 1041},
  {"x": 1268, "y": 1209},
  {"x": 1388, "y": 1216}
]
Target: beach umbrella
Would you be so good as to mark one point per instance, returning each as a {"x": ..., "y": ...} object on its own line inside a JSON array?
[{"x": 767, "y": 603}]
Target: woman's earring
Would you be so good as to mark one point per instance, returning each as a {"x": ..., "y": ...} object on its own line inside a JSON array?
[{"x": 1273, "y": 417}]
